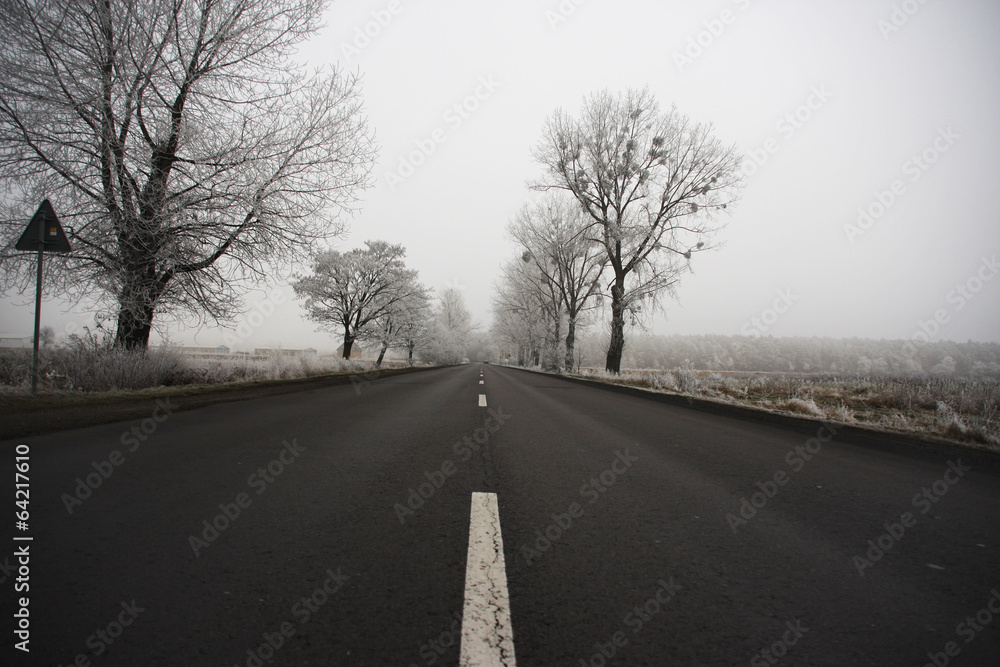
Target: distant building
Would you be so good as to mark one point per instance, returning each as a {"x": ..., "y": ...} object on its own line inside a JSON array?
[
  {"x": 356, "y": 351},
  {"x": 203, "y": 352},
  {"x": 15, "y": 341},
  {"x": 279, "y": 352}
]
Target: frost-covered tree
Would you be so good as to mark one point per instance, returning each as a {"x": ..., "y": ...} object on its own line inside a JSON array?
[
  {"x": 554, "y": 237},
  {"x": 524, "y": 307},
  {"x": 181, "y": 143},
  {"x": 404, "y": 324},
  {"x": 416, "y": 331},
  {"x": 350, "y": 292},
  {"x": 651, "y": 182},
  {"x": 450, "y": 330}
]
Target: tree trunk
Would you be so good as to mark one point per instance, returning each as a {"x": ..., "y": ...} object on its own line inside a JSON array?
[
  {"x": 136, "y": 307},
  {"x": 570, "y": 342},
  {"x": 134, "y": 327},
  {"x": 141, "y": 289},
  {"x": 409, "y": 357},
  {"x": 617, "y": 343},
  {"x": 348, "y": 344},
  {"x": 381, "y": 356},
  {"x": 553, "y": 345}
]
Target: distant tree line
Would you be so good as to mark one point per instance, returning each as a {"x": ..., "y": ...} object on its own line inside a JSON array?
[{"x": 801, "y": 355}]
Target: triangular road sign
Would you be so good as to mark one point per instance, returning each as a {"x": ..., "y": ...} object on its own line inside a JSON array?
[{"x": 44, "y": 228}]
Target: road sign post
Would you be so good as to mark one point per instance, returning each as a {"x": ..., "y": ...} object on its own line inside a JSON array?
[
  {"x": 43, "y": 230},
  {"x": 38, "y": 311}
]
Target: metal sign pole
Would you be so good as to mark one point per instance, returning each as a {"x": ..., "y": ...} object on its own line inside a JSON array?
[{"x": 38, "y": 311}]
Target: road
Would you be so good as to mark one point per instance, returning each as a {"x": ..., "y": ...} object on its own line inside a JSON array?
[{"x": 332, "y": 527}]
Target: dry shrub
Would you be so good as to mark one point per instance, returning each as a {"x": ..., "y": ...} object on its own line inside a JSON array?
[
  {"x": 273, "y": 367},
  {"x": 844, "y": 414},
  {"x": 804, "y": 407},
  {"x": 896, "y": 420},
  {"x": 686, "y": 380},
  {"x": 90, "y": 363}
]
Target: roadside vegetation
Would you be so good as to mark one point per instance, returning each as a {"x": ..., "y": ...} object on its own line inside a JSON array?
[
  {"x": 957, "y": 408},
  {"x": 90, "y": 364}
]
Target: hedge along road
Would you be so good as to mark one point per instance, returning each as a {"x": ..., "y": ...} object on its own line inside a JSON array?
[{"x": 615, "y": 514}]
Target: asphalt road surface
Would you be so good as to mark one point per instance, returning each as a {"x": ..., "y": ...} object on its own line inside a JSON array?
[{"x": 339, "y": 526}]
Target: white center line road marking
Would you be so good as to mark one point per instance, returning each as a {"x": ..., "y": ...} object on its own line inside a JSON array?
[
  {"x": 480, "y": 382},
  {"x": 482, "y": 400},
  {"x": 487, "y": 636}
]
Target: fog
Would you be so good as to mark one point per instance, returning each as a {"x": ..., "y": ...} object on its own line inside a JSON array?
[{"x": 869, "y": 130}]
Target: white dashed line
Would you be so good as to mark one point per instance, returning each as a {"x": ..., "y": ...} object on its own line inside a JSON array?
[
  {"x": 487, "y": 636},
  {"x": 482, "y": 400},
  {"x": 480, "y": 382}
]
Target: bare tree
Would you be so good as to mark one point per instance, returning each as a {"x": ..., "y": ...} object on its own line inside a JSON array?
[
  {"x": 351, "y": 291},
  {"x": 181, "y": 142},
  {"x": 553, "y": 234},
  {"x": 544, "y": 290},
  {"x": 403, "y": 324},
  {"x": 523, "y": 308},
  {"x": 651, "y": 182}
]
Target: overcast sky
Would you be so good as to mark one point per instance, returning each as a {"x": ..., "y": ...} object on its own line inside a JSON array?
[{"x": 839, "y": 107}]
